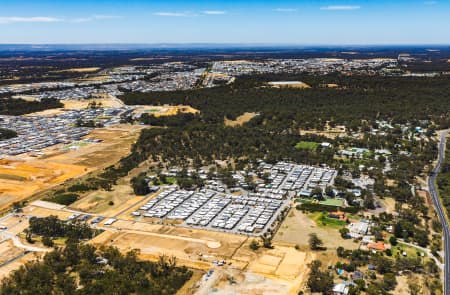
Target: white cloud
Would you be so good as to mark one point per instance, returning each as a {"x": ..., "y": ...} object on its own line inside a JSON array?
[
  {"x": 32, "y": 19},
  {"x": 285, "y": 9},
  {"x": 214, "y": 12},
  {"x": 94, "y": 17},
  {"x": 341, "y": 7},
  {"x": 47, "y": 19},
  {"x": 172, "y": 14}
]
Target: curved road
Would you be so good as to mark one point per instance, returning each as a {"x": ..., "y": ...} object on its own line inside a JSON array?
[{"x": 440, "y": 211}]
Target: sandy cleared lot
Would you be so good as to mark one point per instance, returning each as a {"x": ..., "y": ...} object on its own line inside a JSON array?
[
  {"x": 282, "y": 267},
  {"x": 247, "y": 283},
  {"x": 20, "y": 179},
  {"x": 281, "y": 270},
  {"x": 116, "y": 143},
  {"x": 23, "y": 176},
  {"x": 95, "y": 78},
  {"x": 297, "y": 226},
  {"x": 289, "y": 84},
  {"x": 6, "y": 270},
  {"x": 83, "y": 104},
  {"x": 389, "y": 204},
  {"x": 75, "y": 104},
  {"x": 44, "y": 212},
  {"x": 122, "y": 197},
  {"x": 220, "y": 244},
  {"x": 192, "y": 248},
  {"x": 78, "y": 70},
  {"x": 166, "y": 110},
  {"x": 8, "y": 251},
  {"x": 242, "y": 119}
]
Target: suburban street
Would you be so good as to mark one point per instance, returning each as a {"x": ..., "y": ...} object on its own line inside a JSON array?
[{"x": 440, "y": 210}]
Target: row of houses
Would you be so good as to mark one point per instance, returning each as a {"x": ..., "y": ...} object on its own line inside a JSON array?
[
  {"x": 213, "y": 210},
  {"x": 35, "y": 133},
  {"x": 311, "y": 65}
]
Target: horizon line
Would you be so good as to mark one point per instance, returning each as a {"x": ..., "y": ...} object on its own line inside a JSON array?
[{"x": 224, "y": 44}]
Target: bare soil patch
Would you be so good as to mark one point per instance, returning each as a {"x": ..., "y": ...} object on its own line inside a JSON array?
[
  {"x": 78, "y": 70},
  {"x": 241, "y": 120},
  {"x": 297, "y": 227},
  {"x": 166, "y": 110}
]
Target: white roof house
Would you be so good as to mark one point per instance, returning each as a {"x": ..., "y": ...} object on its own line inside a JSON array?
[{"x": 342, "y": 288}]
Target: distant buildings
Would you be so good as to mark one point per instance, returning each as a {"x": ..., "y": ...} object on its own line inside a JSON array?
[{"x": 35, "y": 133}]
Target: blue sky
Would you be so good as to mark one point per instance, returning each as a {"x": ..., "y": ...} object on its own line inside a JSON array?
[{"x": 367, "y": 22}]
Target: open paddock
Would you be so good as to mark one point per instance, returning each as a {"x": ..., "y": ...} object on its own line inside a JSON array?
[
  {"x": 166, "y": 110},
  {"x": 297, "y": 227},
  {"x": 21, "y": 179},
  {"x": 109, "y": 203},
  {"x": 192, "y": 250},
  {"x": 115, "y": 143},
  {"x": 44, "y": 212},
  {"x": 75, "y": 104},
  {"x": 222, "y": 244},
  {"x": 78, "y": 70}
]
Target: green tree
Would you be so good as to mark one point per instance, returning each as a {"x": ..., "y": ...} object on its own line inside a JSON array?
[
  {"x": 389, "y": 281},
  {"x": 314, "y": 242},
  {"x": 254, "y": 245},
  {"x": 319, "y": 281},
  {"x": 344, "y": 232}
]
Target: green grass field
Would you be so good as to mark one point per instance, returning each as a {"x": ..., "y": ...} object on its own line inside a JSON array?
[
  {"x": 322, "y": 220},
  {"x": 332, "y": 202},
  {"x": 306, "y": 145},
  {"x": 410, "y": 251}
]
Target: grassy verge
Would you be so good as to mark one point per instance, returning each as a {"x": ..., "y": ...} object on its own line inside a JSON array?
[{"x": 323, "y": 220}]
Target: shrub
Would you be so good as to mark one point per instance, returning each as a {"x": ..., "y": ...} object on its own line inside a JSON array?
[{"x": 64, "y": 199}]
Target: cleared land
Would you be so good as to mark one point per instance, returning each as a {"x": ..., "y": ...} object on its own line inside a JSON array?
[
  {"x": 241, "y": 120},
  {"x": 95, "y": 78},
  {"x": 76, "y": 104},
  {"x": 166, "y": 110},
  {"x": 83, "y": 104},
  {"x": 297, "y": 227},
  {"x": 23, "y": 176},
  {"x": 122, "y": 197},
  {"x": 116, "y": 142},
  {"x": 32, "y": 176},
  {"x": 245, "y": 283},
  {"x": 193, "y": 248},
  {"x": 8, "y": 251},
  {"x": 282, "y": 268},
  {"x": 289, "y": 84},
  {"x": 78, "y": 70}
]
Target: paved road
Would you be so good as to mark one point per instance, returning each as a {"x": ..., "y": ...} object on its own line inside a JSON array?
[
  {"x": 18, "y": 243},
  {"x": 440, "y": 211}
]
